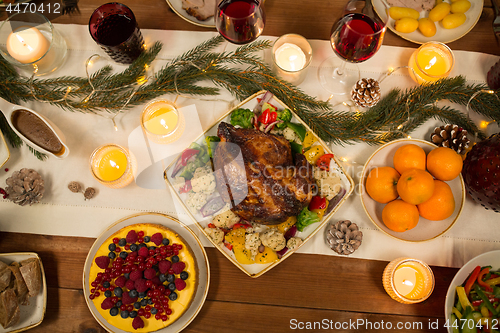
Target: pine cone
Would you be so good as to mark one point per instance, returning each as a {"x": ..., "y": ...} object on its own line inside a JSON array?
[
  {"x": 25, "y": 187},
  {"x": 75, "y": 187},
  {"x": 89, "y": 193},
  {"x": 366, "y": 92},
  {"x": 493, "y": 76},
  {"x": 344, "y": 237},
  {"x": 451, "y": 136}
]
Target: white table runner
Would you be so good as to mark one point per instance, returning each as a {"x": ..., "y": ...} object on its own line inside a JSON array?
[{"x": 62, "y": 212}]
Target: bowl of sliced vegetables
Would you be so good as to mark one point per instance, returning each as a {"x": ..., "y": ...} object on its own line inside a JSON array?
[{"x": 473, "y": 299}]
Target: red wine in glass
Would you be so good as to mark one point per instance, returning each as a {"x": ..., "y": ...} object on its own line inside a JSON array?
[
  {"x": 355, "y": 37},
  {"x": 240, "y": 21}
]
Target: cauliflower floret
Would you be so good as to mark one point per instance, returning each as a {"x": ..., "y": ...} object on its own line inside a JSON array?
[
  {"x": 226, "y": 220},
  {"x": 252, "y": 243},
  {"x": 276, "y": 131},
  {"x": 216, "y": 235},
  {"x": 201, "y": 171},
  {"x": 196, "y": 200},
  {"x": 178, "y": 183},
  {"x": 329, "y": 183},
  {"x": 203, "y": 181},
  {"x": 273, "y": 239},
  {"x": 290, "y": 135},
  {"x": 293, "y": 243}
]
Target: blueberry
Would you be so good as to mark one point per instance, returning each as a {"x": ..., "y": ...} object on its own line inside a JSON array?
[
  {"x": 123, "y": 255},
  {"x": 127, "y": 275},
  {"x": 171, "y": 286},
  {"x": 107, "y": 293},
  {"x": 137, "y": 305},
  {"x": 133, "y": 314},
  {"x": 154, "y": 311},
  {"x": 112, "y": 255},
  {"x": 141, "y": 246},
  {"x": 144, "y": 302},
  {"x": 147, "y": 239},
  {"x": 122, "y": 242},
  {"x": 133, "y": 247},
  {"x": 112, "y": 247},
  {"x": 125, "y": 313},
  {"x": 162, "y": 278},
  {"x": 184, "y": 275},
  {"x": 170, "y": 278},
  {"x": 106, "y": 284},
  {"x": 113, "y": 311},
  {"x": 172, "y": 296},
  {"x": 150, "y": 301},
  {"x": 133, "y": 293},
  {"x": 142, "y": 295},
  {"x": 165, "y": 241},
  {"x": 118, "y": 291},
  {"x": 118, "y": 304},
  {"x": 152, "y": 248},
  {"x": 175, "y": 259}
]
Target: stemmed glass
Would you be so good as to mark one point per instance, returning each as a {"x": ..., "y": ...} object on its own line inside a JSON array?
[
  {"x": 240, "y": 21},
  {"x": 355, "y": 38}
]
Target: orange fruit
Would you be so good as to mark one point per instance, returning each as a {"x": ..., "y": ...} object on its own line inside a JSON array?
[
  {"x": 444, "y": 163},
  {"x": 441, "y": 205},
  {"x": 415, "y": 186},
  {"x": 408, "y": 157},
  {"x": 400, "y": 216},
  {"x": 381, "y": 184}
]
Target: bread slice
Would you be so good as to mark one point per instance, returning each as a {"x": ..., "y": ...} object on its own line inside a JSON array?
[
  {"x": 30, "y": 270},
  {"x": 20, "y": 286},
  {"x": 9, "y": 309}
]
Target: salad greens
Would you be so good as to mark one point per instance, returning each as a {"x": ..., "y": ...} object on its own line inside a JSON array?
[
  {"x": 242, "y": 118},
  {"x": 285, "y": 116},
  {"x": 305, "y": 218}
]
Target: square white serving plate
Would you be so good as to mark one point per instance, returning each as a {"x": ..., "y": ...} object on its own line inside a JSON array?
[{"x": 4, "y": 151}]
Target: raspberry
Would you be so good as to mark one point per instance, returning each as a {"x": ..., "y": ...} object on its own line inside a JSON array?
[
  {"x": 156, "y": 281},
  {"x": 102, "y": 262},
  {"x": 140, "y": 285},
  {"x": 135, "y": 275},
  {"x": 130, "y": 285},
  {"x": 164, "y": 266},
  {"x": 137, "y": 323},
  {"x": 178, "y": 267},
  {"x": 131, "y": 237},
  {"x": 180, "y": 284},
  {"x": 157, "y": 238},
  {"x": 107, "y": 304},
  {"x": 126, "y": 299},
  {"x": 143, "y": 252},
  {"x": 149, "y": 273}
]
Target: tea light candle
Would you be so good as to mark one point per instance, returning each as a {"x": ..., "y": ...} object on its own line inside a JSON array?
[
  {"x": 408, "y": 280},
  {"x": 162, "y": 122},
  {"x": 27, "y": 44},
  {"x": 113, "y": 166},
  {"x": 292, "y": 55},
  {"x": 430, "y": 62}
]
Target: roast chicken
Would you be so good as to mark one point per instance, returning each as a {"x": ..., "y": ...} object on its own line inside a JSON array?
[{"x": 257, "y": 176}]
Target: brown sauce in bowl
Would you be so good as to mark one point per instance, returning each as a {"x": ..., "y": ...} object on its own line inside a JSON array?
[{"x": 37, "y": 131}]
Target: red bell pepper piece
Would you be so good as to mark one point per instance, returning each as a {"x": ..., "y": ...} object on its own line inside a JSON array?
[
  {"x": 241, "y": 225},
  {"x": 472, "y": 279},
  {"x": 187, "y": 187},
  {"x": 229, "y": 246},
  {"x": 317, "y": 202},
  {"x": 480, "y": 281},
  {"x": 324, "y": 162},
  {"x": 187, "y": 154},
  {"x": 211, "y": 225}
]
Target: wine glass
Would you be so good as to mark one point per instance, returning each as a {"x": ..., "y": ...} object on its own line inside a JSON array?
[
  {"x": 240, "y": 21},
  {"x": 355, "y": 38}
]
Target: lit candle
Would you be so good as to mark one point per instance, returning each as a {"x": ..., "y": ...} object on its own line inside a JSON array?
[
  {"x": 290, "y": 57},
  {"x": 408, "y": 280},
  {"x": 27, "y": 44},
  {"x": 162, "y": 122},
  {"x": 430, "y": 62},
  {"x": 113, "y": 166}
]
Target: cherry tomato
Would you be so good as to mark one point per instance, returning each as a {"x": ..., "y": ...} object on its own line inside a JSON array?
[{"x": 324, "y": 162}]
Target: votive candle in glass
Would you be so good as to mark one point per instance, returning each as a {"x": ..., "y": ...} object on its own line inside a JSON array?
[
  {"x": 113, "y": 165},
  {"x": 430, "y": 62},
  {"x": 408, "y": 280},
  {"x": 292, "y": 54},
  {"x": 162, "y": 122}
]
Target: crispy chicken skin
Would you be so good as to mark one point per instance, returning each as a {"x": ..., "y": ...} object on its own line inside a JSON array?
[{"x": 256, "y": 174}]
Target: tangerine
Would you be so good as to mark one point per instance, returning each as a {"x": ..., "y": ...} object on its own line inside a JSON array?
[
  {"x": 415, "y": 186},
  {"x": 400, "y": 216},
  {"x": 381, "y": 184},
  {"x": 408, "y": 157},
  {"x": 444, "y": 163},
  {"x": 441, "y": 205}
]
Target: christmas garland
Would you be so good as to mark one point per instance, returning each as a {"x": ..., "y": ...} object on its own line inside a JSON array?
[{"x": 242, "y": 74}]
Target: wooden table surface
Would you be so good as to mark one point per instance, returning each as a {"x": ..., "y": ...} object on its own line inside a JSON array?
[{"x": 304, "y": 288}]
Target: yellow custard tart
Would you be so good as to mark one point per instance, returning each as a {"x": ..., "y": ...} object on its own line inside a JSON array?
[{"x": 143, "y": 278}]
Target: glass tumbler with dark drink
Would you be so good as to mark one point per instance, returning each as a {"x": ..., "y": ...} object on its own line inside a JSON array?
[
  {"x": 240, "y": 21},
  {"x": 114, "y": 28}
]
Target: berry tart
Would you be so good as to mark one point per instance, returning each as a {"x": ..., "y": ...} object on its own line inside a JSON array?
[{"x": 143, "y": 278}]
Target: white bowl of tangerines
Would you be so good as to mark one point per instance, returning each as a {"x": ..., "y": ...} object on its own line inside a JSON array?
[{"x": 413, "y": 190}]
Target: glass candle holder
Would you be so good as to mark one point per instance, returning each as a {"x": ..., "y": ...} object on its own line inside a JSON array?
[
  {"x": 430, "y": 62},
  {"x": 292, "y": 55},
  {"x": 162, "y": 122},
  {"x": 114, "y": 28},
  {"x": 30, "y": 42},
  {"x": 113, "y": 165},
  {"x": 408, "y": 280}
]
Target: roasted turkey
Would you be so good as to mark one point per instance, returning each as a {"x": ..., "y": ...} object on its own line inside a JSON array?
[{"x": 257, "y": 176}]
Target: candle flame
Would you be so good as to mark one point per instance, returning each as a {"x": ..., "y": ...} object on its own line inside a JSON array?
[
  {"x": 432, "y": 62},
  {"x": 113, "y": 164},
  {"x": 22, "y": 41},
  {"x": 163, "y": 123},
  {"x": 408, "y": 283}
]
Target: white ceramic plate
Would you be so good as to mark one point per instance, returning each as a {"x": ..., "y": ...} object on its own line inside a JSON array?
[
  {"x": 189, "y": 237},
  {"x": 486, "y": 259},
  {"x": 425, "y": 229},
  {"x": 442, "y": 35},
  {"x": 33, "y": 313},
  {"x": 4, "y": 151},
  {"x": 256, "y": 270},
  {"x": 176, "y": 6}
]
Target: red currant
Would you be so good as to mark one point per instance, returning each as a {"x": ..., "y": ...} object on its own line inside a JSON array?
[
  {"x": 123, "y": 307},
  {"x": 179, "y": 246},
  {"x": 141, "y": 240},
  {"x": 164, "y": 317},
  {"x": 149, "y": 283},
  {"x": 92, "y": 290},
  {"x": 94, "y": 284},
  {"x": 149, "y": 265},
  {"x": 118, "y": 249},
  {"x": 114, "y": 299},
  {"x": 127, "y": 247},
  {"x": 141, "y": 312},
  {"x": 169, "y": 247},
  {"x": 97, "y": 294},
  {"x": 164, "y": 302},
  {"x": 147, "y": 308},
  {"x": 168, "y": 312},
  {"x": 171, "y": 271},
  {"x": 156, "y": 293},
  {"x": 147, "y": 315},
  {"x": 130, "y": 307},
  {"x": 140, "y": 234},
  {"x": 99, "y": 275},
  {"x": 176, "y": 252},
  {"x": 116, "y": 240},
  {"x": 91, "y": 296},
  {"x": 160, "y": 288},
  {"x": 150, "y": 294},
  {"x": 157, "y": 316},
  {"x": 102, "y": 288}
]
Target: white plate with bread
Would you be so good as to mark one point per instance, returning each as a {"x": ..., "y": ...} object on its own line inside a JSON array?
[{"x": 177, "y": 7}]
